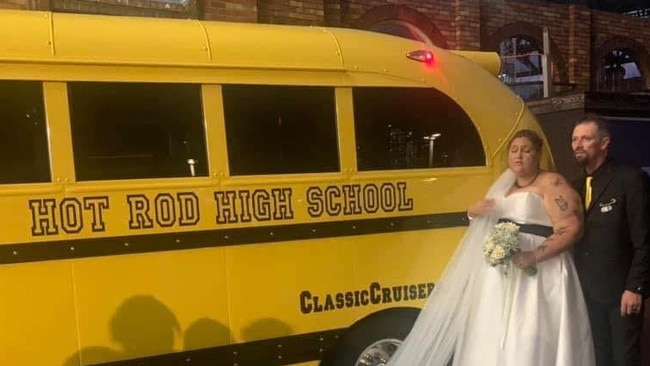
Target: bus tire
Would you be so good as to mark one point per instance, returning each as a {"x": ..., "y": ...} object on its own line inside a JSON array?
[{"x": 373, "y": 339}]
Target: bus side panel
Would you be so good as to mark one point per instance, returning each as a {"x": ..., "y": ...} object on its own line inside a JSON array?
[
  {"x": 274, "y": 286},
  {"x": 139, "y": 305},
  {"x": 414, "y": 260},
  {"x": 36, "y": 313}
]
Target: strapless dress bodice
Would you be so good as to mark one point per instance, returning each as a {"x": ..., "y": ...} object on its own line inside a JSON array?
[{"x": 525, "y": 208}]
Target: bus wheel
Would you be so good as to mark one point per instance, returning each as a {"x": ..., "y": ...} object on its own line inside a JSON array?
[
  {"x": 378, "y": 353},
  {"x": 372, "y": 340}
]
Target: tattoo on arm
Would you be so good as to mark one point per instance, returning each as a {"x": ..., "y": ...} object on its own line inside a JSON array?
[
  {"x": 561, "y": 203},
  {"x": 557, "y": 233},
  {"x": 561, "y": 231}
]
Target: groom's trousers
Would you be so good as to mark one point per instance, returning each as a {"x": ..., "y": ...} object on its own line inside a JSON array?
[{"x": 616, "y": 338}]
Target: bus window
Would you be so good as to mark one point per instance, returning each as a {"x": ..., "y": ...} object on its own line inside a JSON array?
[
  {"x": 280, "y": 129},
  {"x": 135, "y": 131},
  {"x": 413, "y": 128},
  {"x": 23, "y": 134}
]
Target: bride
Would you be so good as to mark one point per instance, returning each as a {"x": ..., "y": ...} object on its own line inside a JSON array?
[{"x": 503, "y": 316}]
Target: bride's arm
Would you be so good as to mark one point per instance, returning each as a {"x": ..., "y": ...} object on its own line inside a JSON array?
[
  {"x": 564, "y": 208},
  {"x": 480, "y": 208}
]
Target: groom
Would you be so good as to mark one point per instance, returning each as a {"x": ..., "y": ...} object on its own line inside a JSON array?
[{"x": 612, "y": 258}]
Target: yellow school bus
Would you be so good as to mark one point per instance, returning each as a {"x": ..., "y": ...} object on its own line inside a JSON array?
[{"x": 181, "y": 192}]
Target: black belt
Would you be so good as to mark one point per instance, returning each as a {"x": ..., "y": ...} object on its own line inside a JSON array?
[{"x": 534, "y": 229}]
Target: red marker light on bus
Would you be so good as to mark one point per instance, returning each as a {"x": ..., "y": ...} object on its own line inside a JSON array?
[{"x": 422, "y": 56}]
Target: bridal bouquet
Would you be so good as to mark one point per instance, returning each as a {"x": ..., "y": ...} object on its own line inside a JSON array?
[{"x": 501, "y": 244}]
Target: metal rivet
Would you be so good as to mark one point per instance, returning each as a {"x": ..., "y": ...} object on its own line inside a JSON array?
[
  {"x": 226, "y": 237},
  {"x": 313, "y": 230},
  {"x": 271, "y": 233},
  {"x": 72, "y": 249},
  {"x": 126, "y": 244},
  {"x": 178, "y": 240},
  {"x": 234, "y": 353},
  {"x": 354, "y": 227},
  {"x": 15, "y": 252}
]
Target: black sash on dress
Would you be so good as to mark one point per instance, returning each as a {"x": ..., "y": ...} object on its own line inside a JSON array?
[{"x": 534, "y": 229}]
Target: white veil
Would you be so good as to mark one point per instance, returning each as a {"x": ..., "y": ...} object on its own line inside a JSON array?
[{"x": 443, "y": 319}]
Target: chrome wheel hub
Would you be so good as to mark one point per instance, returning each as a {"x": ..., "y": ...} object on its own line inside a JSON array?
[{"x": 378, "y": 353}]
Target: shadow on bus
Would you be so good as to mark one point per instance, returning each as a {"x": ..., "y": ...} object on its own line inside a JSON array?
[
  {"x": 205, "y": 333},
  {"x": 144, "y": 326},
  {"x": 141, "y": 326},
  {"x": 265, "y": 328}
]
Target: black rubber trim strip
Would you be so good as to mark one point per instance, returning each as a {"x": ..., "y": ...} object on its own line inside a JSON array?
[
  {"x": 108, "y": 246},
  {"x": 275, "y": 351}
]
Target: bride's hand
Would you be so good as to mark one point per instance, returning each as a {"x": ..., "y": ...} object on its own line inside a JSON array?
[
  {"x": 525, "y": 259},
  {"x": 480, "y": 208}
]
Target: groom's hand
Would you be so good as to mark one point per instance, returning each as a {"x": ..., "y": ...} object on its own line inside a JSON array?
[{"x": 630, "y": 303}]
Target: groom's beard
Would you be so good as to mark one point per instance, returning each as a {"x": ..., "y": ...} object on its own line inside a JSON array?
[{"x": 582, "y": 160}]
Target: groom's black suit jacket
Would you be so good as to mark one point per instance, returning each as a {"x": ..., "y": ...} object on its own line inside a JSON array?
[{"x": 614, "y": 253}]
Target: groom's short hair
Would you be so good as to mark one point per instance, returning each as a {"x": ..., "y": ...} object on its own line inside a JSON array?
[{"x": 602, "y": 124}]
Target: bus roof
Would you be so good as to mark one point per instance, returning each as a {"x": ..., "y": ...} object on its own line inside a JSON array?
[{"x": 29, "y": 36}]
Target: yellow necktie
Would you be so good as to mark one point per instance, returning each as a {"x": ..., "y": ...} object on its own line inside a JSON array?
[{"x": 588, "y": 192}]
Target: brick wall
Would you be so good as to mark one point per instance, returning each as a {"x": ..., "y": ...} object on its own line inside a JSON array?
[
  {"x": 229, "y": 10},
  {"x": 17, "y": 4},
  {"x": 579, "y": 46},
  {"x": 467, "y": 24},
  {"x": 305, "y": 12},
  {"x": 145, "y": 8}
]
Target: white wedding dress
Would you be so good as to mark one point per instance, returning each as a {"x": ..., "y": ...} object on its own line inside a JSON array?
[{"x": 489, "y": 316}]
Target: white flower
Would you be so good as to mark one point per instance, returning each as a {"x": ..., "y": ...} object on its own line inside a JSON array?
[
  {"x": 498, "y": 253},
  {"x": 501, "y": 243}
]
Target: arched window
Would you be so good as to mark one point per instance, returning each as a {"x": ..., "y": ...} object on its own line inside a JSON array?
[
  {"x": 620, "y": 65},
  {"x": 402, "y": 21},
  {"x": 521, "y": 66},
  {"x": 520, "y": 45},
  {"x": 619, "y": 72}
]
